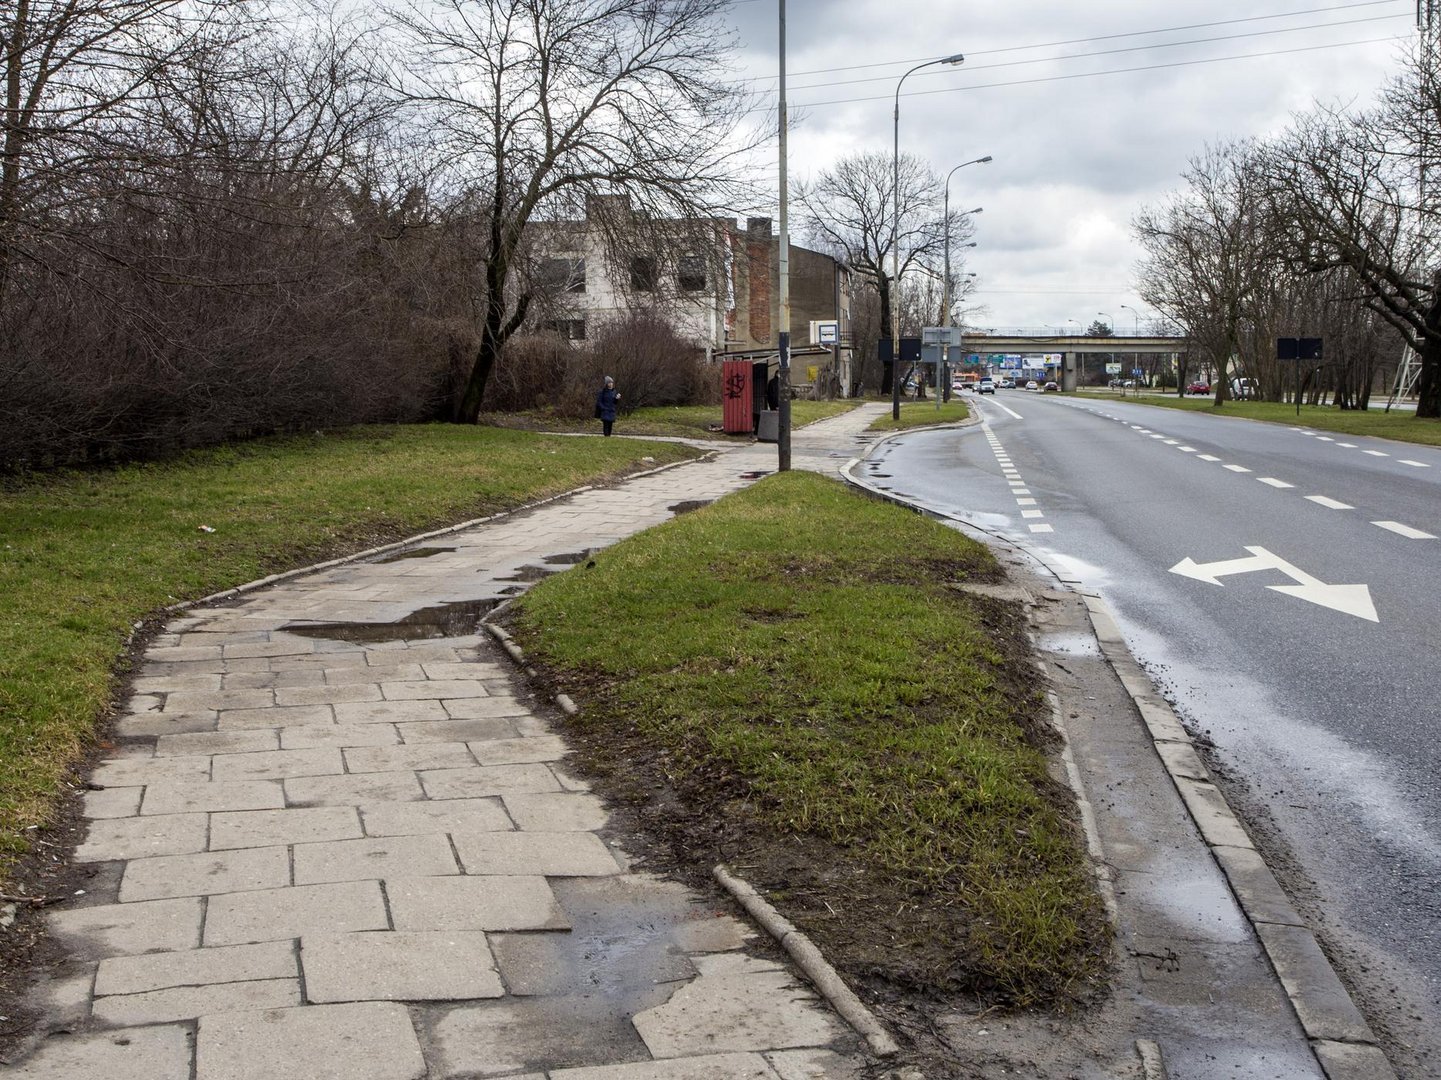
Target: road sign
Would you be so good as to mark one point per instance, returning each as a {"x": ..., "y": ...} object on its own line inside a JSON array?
[
  {"x": 1113, "y": 369},
  {"x": 941, "y": 335},
  {"x": 1136, "y": 372},
  {"x": 1349, "y": 599}
]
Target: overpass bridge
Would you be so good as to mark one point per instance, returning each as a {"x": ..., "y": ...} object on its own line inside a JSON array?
[{"x": 1072, "y": 348}]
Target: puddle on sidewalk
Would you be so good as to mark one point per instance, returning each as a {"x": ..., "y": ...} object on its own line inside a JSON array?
[
  {"x": 1069, "y": 644},
  {"x": 687, "y": 506},
  {"x": 529, "y": 573},
  {"x": 458, "y": 619},
  {"x": 415, "y": 553},
  {"x": 569, "y": 558}
]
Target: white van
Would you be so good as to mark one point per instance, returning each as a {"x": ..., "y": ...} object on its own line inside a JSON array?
[{"x": 1244, "y": 389}]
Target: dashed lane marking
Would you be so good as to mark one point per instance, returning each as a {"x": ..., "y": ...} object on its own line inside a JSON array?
[
  {"x": 1236, "y": 468},
  {"x": 1414, "y": 464},
  {"x": 1274, "y": 482},
  {"x": 1329, "y": 503},
  {"x": 1404, "y": 530}
]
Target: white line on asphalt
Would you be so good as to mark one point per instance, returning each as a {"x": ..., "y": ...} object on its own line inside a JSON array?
[
  {"x": 1325, "y": 438},
  {"x": 1020, "y": 491},
  {"x": 1025, "y": 502},
  {"x": 1376, "y": 453},
  {"x": 1032, "y": 514},
  {"x": 1237, "y": 468},
  {"x": 1405, "y": 530},
  {"x": 1208, "y": 457},
  {"x": 1416, "y": 464},
  {"x": 1041, "y": 528},
  {"x": 1013, "y": 413},
  {"x": 1274, "y": 482},
  {"x": 1347, "y": 445},
  {"x": 1186, "y": 449},
  {"x": 1329, "y": 503},
  {"x": 1172, "y": 442}
]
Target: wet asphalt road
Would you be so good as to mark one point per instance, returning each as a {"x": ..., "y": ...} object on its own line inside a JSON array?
[{"x": 1325, "y": 724}]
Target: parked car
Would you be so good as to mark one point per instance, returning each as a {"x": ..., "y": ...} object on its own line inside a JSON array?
[
  {"x": 1050, "y": 388},
  {"x": 1198, "y": 388},
  {"x": 1244, "y": 389},
  {"x": 1008, "y": 384},
  {"x": 1031, "y": 384},
  {"x": 987, "y": 386}
]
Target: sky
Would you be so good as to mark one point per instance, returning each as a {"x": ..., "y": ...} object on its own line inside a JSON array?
[{"x": 1090, "y": 112}]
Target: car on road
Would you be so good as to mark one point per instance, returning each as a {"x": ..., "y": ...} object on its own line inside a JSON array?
[
  {"x": 986, "y": 386},
  {"x": 1007, "y": 384},
  {"x": 1198, "y": 388},
  {"x": 1031, "y": 384},
  {"x": 1050, "y": 388}
]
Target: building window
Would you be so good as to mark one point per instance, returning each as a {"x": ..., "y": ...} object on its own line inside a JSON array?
[
  {"x": 644, "y": 274},
  {"x": 563, "y": 275},
  {"x": 570, "y": 329},
  {"x": 690, "y": 273}
]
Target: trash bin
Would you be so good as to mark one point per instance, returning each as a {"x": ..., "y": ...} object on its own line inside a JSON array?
[{"x": 769, "y": 427}]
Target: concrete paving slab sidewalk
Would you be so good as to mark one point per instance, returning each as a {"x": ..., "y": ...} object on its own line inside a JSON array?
[{"x": 333, "y": 843}]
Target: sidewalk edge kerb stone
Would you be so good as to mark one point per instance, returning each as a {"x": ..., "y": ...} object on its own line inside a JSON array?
[
  {"x": 300, "y": 571},
  {"x": 811, "y": 961}
]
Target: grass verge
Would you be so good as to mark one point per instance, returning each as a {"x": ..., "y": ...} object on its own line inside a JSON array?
[
  {"x": 789, "y": 680},
  {"x": 85, "y": 556},
  {"x": 1401, "y": 426},
  {"x": 668, "y": 421},
  {"x": 923, "y": 413}
]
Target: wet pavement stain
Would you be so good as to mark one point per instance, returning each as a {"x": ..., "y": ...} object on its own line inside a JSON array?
[
  {"x": 528, "y": 573},
  {"x": 458, "y": 619},
  {"x": 687, "y": 506},
  {"x": 414, "y": 553},
  {"x": 569, "y": 558}
]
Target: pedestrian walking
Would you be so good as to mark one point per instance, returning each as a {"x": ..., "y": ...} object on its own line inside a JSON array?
[{"x": 605, "y": 405}]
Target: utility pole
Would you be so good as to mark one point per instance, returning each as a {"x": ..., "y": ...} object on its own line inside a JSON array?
[{"x": 783, "y": 271}]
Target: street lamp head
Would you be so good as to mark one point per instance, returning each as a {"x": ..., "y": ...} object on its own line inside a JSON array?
[
  {"x": 977, "y": 210},
  {"x": 954, "y": 58},
  {"x": 983, "y": 160}
]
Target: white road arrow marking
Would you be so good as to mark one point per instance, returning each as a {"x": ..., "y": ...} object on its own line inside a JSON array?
[{"x": 1348, "y": 599}]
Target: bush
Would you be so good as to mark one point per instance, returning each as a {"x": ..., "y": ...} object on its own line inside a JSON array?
[{"x": 651, "y": 363}]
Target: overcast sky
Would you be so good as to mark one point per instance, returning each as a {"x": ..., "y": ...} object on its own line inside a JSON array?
[{"x": 1090, "y": 111}]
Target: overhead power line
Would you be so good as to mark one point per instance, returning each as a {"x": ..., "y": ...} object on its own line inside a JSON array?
[
  {"x": 1403, "y": 9},
  {"x": 1126, "y": 49},
  {"x": 1094, "y": 74}
]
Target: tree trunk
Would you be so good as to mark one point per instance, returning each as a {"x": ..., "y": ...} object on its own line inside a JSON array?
[
  {"x": 1428, "y": 388},
  {"x": 888, "y": 371}
]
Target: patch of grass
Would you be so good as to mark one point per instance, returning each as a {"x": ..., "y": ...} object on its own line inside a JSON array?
[
  {"x": 795, "y": 657},
  {"x": 668, "y": 421},
  {"x": 84, "y": 556},
  {"x": 922, "y": 413},
  {"x": 1401, "y": 426}
]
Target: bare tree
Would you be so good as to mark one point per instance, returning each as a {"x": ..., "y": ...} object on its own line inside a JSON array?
[
  {"x": 1358, "y": 192},
  {"x": 72, "y": 72},
  {"x": 850, "y": 212},
  {"x": 1207, "y": 255},
  {"x": 539, "y": 104}
]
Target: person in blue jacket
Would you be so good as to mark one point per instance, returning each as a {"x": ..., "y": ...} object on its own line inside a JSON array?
[{"x": 605, "y": 404}]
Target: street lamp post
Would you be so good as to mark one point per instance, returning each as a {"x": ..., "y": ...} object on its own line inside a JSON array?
[
  {"x": 943, "y": 386},
  {"x": 783, "y": 340},
  {"x": 1111, "y": 326},
  {"x": 1135, "y": 314},
  {"x": 952, "y": 60}
]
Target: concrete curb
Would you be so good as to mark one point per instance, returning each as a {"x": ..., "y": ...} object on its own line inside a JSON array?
[
  {"x": 1344, "y": 1044},
  {"x": 802, "y": 950},
  {"x": 808, "y": 958}
]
